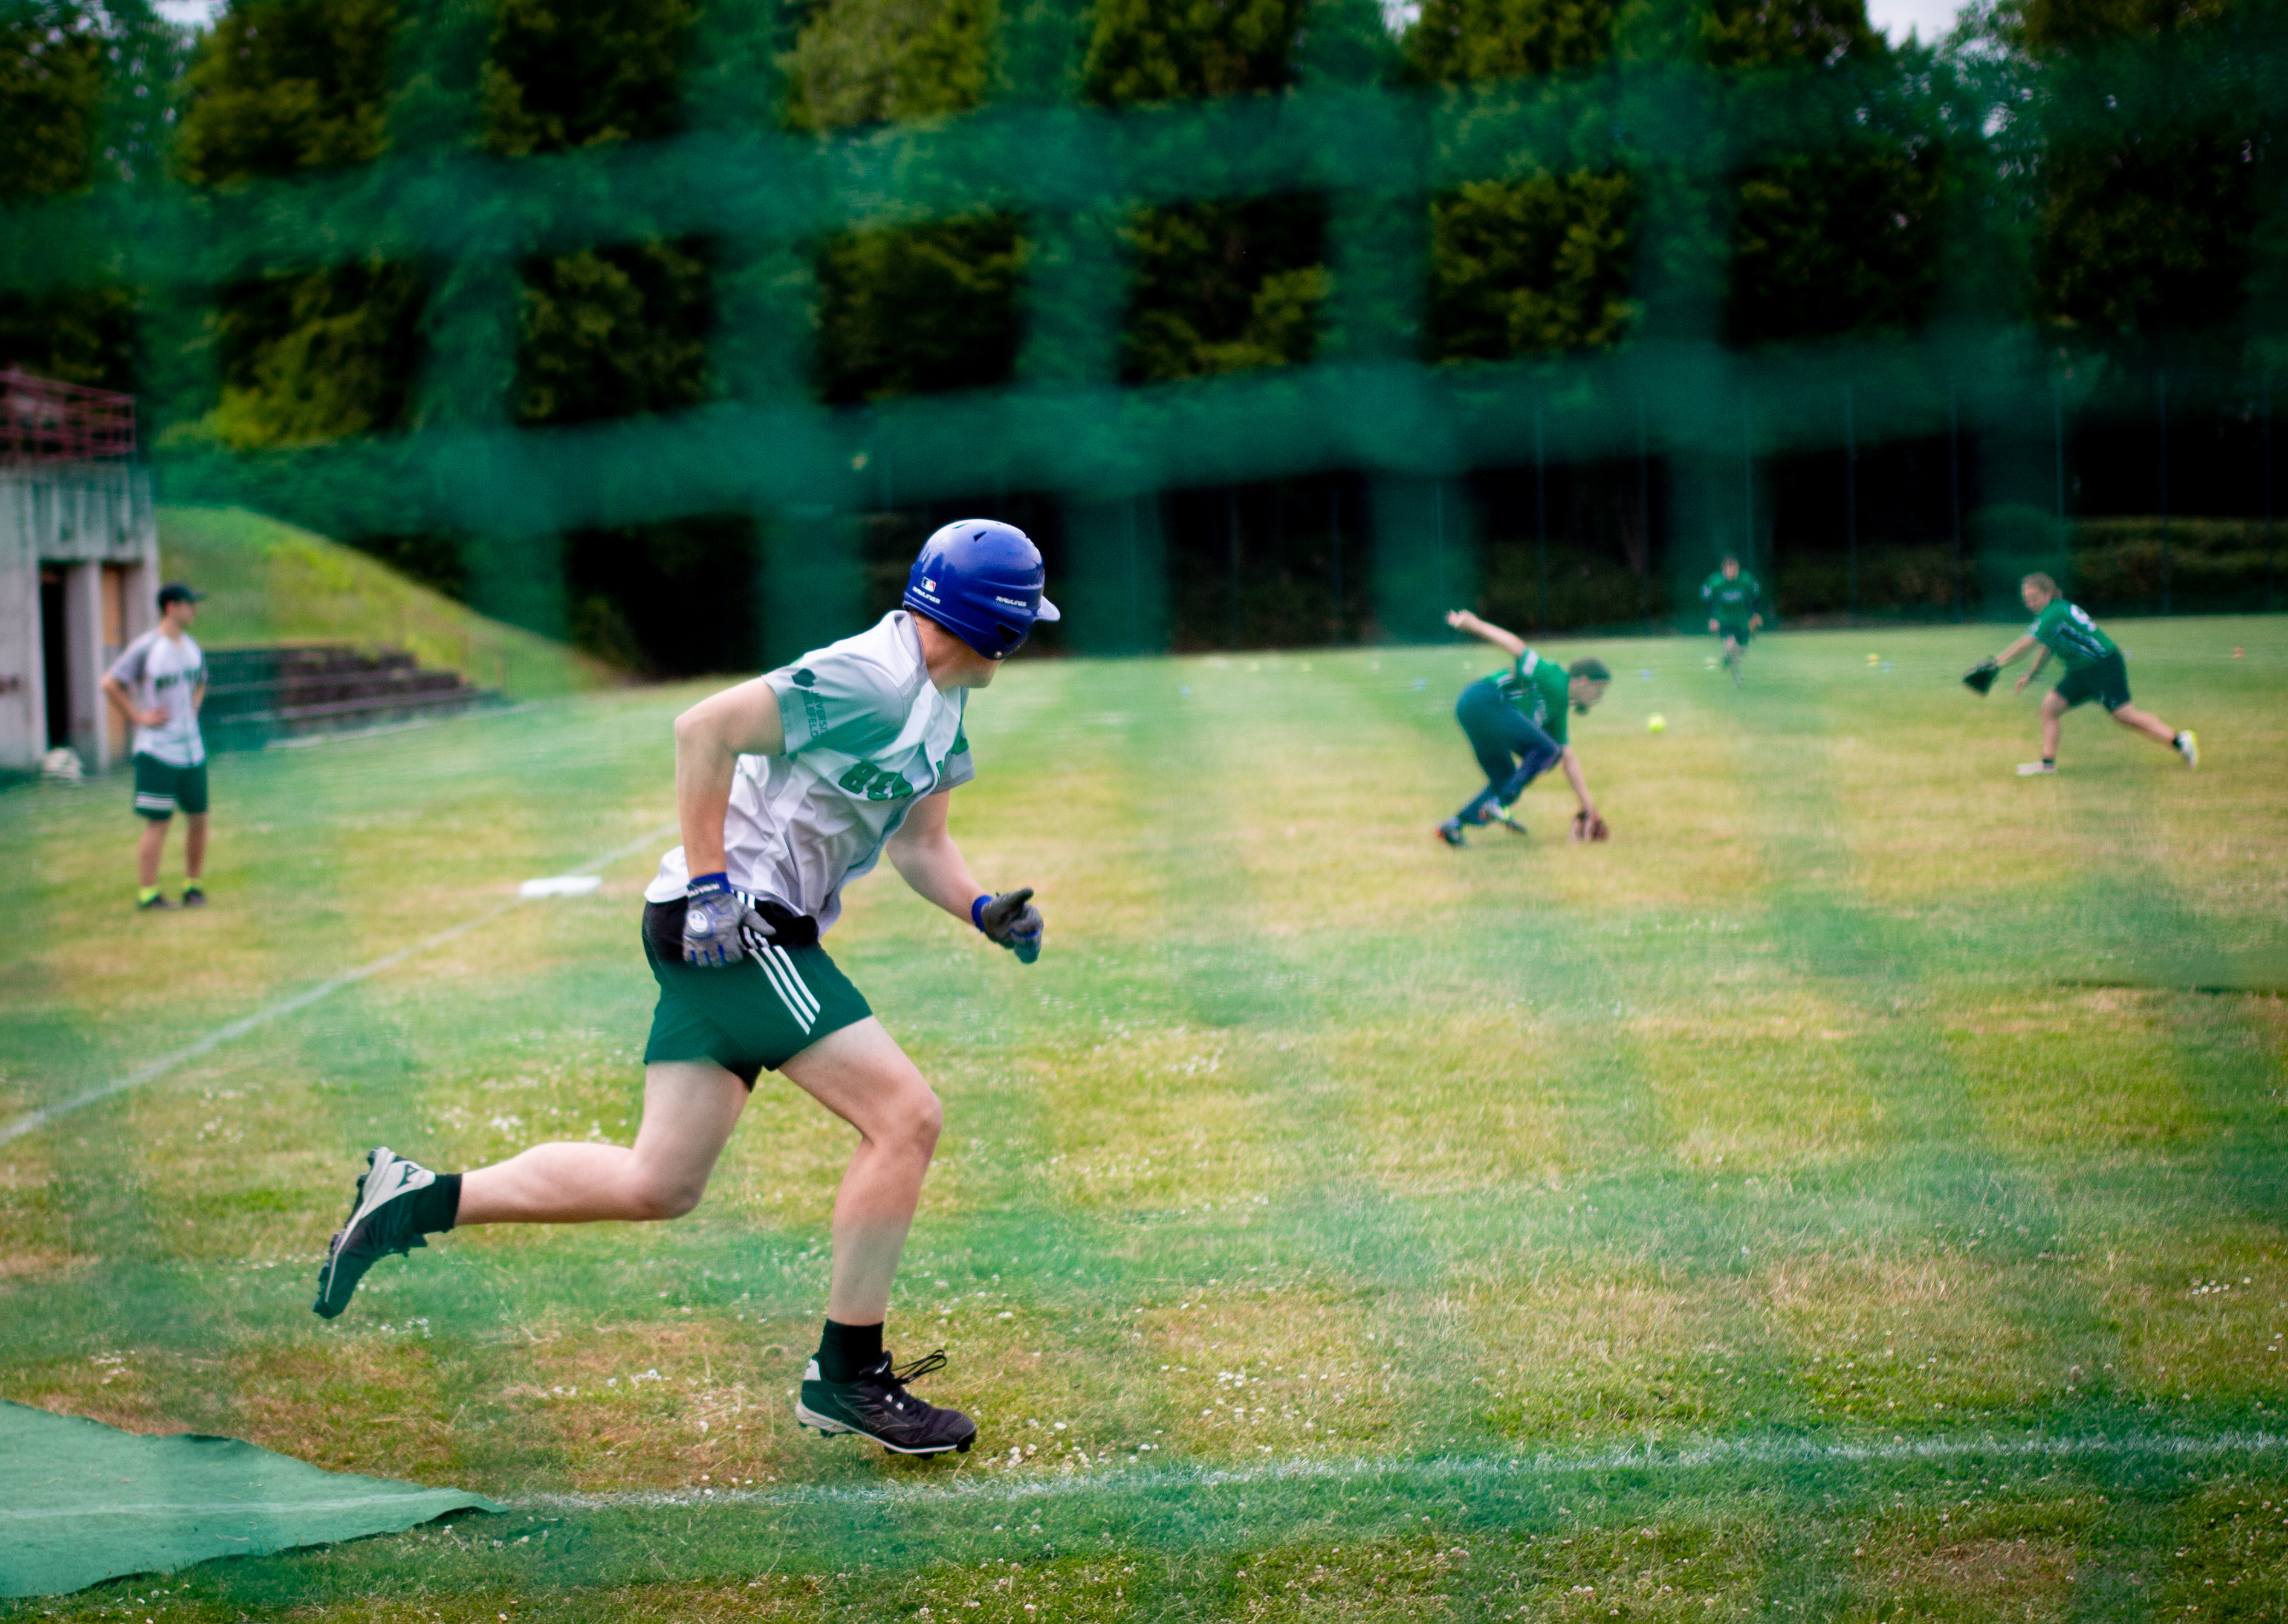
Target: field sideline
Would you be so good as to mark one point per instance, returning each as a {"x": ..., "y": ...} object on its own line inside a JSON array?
[{"x": 1856, "y": 1191}]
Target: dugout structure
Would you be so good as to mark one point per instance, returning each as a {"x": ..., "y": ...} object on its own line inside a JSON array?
[
  {"x": 79, "y": 566},
  {"x": 1422, "y": 462}
]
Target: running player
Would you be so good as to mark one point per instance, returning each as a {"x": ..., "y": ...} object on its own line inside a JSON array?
[
  {"x": 158, "y": 683},
  {"x": 788, "y": 786},
  {"x": 1515, "y": 722},
  {"x": 2094, "y": 670},
  {"x": 1735, "y": 601}
]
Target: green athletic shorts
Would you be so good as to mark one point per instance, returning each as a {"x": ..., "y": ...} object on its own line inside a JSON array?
[
  {"x": 1737, "y": 630},
  {"x": 749, "y": 1017},
  {"x": 162, "y": 790},
  {"x": 2107, "y": 681}
]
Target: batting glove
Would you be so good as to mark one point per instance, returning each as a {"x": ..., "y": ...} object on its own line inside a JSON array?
[
  {"x": 712, "y": 916},
  {"x": 1011, "y": 920}
]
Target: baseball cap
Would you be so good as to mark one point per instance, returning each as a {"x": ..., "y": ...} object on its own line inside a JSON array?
[{"x": 178, "y": 592}]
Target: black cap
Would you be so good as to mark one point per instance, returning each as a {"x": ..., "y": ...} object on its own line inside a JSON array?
[{"x": 176, "y": 593}]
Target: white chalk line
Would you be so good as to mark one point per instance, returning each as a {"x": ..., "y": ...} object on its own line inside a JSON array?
[
  {"x": 412, "y": 1499},
  {"x": 1148, "y": 1480},
  {"x": 32, "y": 1122}
]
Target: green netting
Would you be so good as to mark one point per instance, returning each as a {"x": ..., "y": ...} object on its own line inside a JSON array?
[{"x": 87, "y": 1502}]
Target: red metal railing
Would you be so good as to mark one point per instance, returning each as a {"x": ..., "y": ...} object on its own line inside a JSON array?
[{"x": 44, "y": 421}]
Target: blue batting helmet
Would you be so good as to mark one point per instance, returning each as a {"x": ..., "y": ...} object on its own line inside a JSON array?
[{"x": 980, "y": 579}]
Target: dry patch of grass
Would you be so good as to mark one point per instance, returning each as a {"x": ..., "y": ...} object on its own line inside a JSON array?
[
  {"x": 1564, "y": 1360},
  {"x": 1282, "y": 1373},
  {"x": 1931, "y": 1574}
]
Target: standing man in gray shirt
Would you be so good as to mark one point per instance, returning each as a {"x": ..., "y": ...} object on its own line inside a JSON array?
[{"x": 158, "y": 683}]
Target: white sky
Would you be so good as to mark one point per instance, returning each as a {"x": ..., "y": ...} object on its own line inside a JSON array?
[
  {"x": 1895, "y": 18},
  {"x": 1930, "y": 19}
]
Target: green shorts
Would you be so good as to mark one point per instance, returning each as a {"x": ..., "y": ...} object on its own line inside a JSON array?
[
  {"x": 749, "y": 1017},
  {"x": 1738, "y": 631},
  {"x": 2106, "y": 682},
  {"x": 162, "y": 790}
]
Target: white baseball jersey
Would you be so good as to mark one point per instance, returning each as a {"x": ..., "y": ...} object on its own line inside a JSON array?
[
  {"x": 164, "y": 673},
  {"x": 867, "y": 735}
]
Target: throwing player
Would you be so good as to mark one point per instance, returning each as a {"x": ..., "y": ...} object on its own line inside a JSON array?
[
  {"x": 1735, "y": 601},
  {"x": 1516, "y": 723},
  {"x": 2094, "y": 670},
  {"x": 789, "y": 787},
  {"x": 158, "y": 683}
]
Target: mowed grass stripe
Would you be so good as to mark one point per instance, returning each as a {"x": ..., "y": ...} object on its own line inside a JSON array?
[{"x": 1492, "y": 1219}]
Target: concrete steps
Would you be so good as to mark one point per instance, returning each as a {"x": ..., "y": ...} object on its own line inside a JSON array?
[{"x": 260, "y": 696}]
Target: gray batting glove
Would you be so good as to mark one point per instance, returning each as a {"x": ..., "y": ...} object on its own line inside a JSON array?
[
  {"x": 1011, "y": 920},
  {"x": 713, "y": 914}
]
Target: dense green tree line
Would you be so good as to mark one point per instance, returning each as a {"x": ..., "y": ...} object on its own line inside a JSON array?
[{"x": 2139, "y": 243}]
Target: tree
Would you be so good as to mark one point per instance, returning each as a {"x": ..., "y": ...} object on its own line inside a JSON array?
[
  {"x": 282, "y": 88},
  {"x": 907, "y": 309},
  {"x": 1222, "y": 286},
  {"x": 1538, "y": 260},
  {"x": 55, "y": 65},
  {"x": 1840, "y": 234},
  {"x": 2147, "y": 222}
]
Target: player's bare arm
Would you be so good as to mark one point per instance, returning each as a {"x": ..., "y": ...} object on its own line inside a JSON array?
[
  {"x": 2031, "y": 671},
  {"x": 710, "y": 738},
  {"x": 1574, "y": 776},
  {"x": 926, "y": 858},
  {"x": 123, "y": 703},
  {"x": 1508, "y": 642}
]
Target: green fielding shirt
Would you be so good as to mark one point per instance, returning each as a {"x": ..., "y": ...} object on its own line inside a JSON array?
[
  {"x": 1730, "y": 603},
  {"x": 2070, "y": 635},
  {"x": 1538, "y": 688}
]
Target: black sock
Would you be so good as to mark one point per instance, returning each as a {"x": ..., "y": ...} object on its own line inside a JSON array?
[
  {"x": 2049, "y": 761},
  {"x": 436, "y": 1205},
  {"x": 844, "y": 1351}
]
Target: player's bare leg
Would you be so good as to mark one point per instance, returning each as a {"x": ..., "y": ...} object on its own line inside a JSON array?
[
  {"x": 2153, "y": 727},
  {"x": 690, "y": 1108},
  {"x": 861, "y": 1074},
  {"x": 148, "y": 849},
  {"x": 194, "y": 849}
]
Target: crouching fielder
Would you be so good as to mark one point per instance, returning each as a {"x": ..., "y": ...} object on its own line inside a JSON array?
[
  {"x": 1515, "y": 724},
  {"x": 789, "y": 787}
]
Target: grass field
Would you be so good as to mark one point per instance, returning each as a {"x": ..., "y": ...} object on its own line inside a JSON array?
[
  {"x": 268, "y": 582},
  {"x": 1855, "y": 1192}
]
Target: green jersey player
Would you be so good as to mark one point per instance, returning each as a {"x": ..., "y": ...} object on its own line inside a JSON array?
[
  {"x": 2094, "y": 670},
  {"x": 1735, "y": 602},
  {"x": 789, "y": 787},
  {"x": 1515, "y": 721}
]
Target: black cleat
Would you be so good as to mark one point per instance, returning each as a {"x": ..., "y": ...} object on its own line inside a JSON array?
[
  {"x": 380, "y": 1223},
  {"x": 1450, "y": 832},
  {"x": 878, "y": 1405},
  {"x": 194, "y": 897}
]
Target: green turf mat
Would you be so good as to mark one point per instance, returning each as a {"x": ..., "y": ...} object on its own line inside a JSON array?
[{"x": 86, "y": 1502}]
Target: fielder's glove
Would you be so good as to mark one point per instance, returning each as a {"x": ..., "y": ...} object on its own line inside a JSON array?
[
  {"x": 1011, "y": 920},
  {"x": 712, "y": 916},
  {"x": 1980, "y": 677},
  {"x": 1589, "y": 826}
]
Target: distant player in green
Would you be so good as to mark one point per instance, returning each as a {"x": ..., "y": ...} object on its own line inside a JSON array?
[
  {"x": 1735, "y": 603},
  {"x": 2094, "y": 670},
  {"x": 1516, "y": 723}
]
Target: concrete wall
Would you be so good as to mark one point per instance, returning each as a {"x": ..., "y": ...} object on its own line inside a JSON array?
[{"x": 80, "y": 519}]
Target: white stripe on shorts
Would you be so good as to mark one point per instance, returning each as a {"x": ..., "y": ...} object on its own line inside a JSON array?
[
  {"x": 771, "y": 973},
  {"x": 801, "y": 987}
]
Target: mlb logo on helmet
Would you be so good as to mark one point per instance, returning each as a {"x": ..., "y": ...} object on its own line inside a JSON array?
[{"x": 982, "y": 580}]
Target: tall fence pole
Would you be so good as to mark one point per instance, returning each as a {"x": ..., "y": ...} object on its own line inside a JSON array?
[
  {"x": 1851, "y": 495},
  {"x": 2058, "y": 452},
  {"x": 1335, "y": 553},
  {"x": 1231, "y": 541},
  {"x": 2161, "y": 424},
  {"x": 1540, "y": 526},
  {"x": 1644, "y": 503},
  {"x": 1135, "y": 584},
  {"x": 1438, "y": 542},
  {"x": 2271, "y": 586},
  {"x": 1747, "y": 491},
  {"x": 1954, "y": 489}
]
